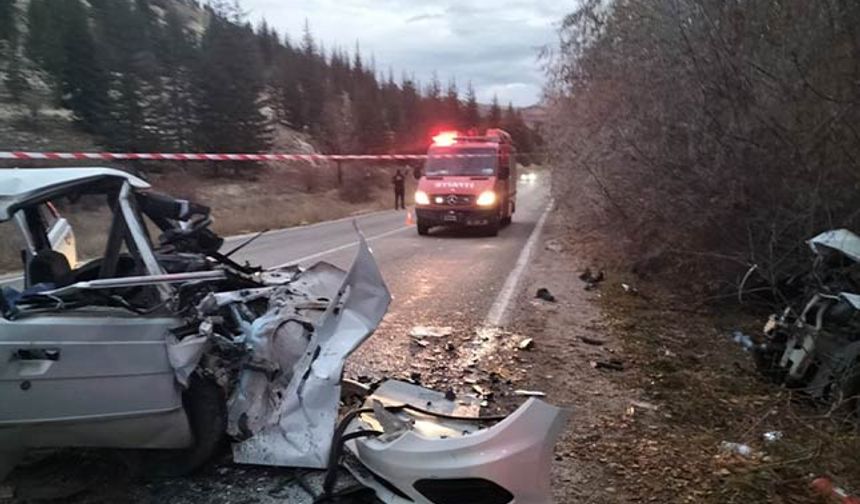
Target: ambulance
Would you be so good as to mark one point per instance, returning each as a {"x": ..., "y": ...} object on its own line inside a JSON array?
[{"x": 467, "y": 181}]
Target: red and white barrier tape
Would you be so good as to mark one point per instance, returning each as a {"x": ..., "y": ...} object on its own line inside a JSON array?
[{"x": 161, "y": 156}]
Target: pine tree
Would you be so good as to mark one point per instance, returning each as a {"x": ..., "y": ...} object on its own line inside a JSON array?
[
  {"x": 411, "y": 131},
  {"x": 229, "y": 82},
  {"x": 14, "y": 80},
  {"x": 451, "y": 108},
  {"x": 522, "y": 135},
  {"x": 127, "y": 35},
  {"x": 310, "y": 81},
  {"x": 495, "y": 118},
  {"x": 178, "y": 53},
  {"x": 338, "y": 127},
  {"x": 44, "y": 43},
  {"x": 471, "y": 115},
  {"x": 82, "y": 78}
]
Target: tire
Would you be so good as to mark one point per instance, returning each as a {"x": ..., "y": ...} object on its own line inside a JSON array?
[
  {"x": 423, "y": 228},
  {"x": 206, "y": 408},
  {"x": 506, "y": 221}
]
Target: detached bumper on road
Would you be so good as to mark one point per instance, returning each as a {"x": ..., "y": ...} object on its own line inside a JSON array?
[
  {"x": 456, "y": 216},
  {"x": 433, "y": 455}
]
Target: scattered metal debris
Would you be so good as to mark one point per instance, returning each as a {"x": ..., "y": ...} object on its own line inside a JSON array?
[
  {"x": 529, "y": 393},
  {"x": 736, "y": 449},
  {"x": 613, "y": 365},
  {"x": 589, "y": 277},
  {"x": 554, "y": 246},
  {"x": 592, "y": 279},
  {"x": 545, "y": 295},
  {"x": 771, "y": 437},
  {"x": 644, "y": 405},
  {"x": 430, "y": 332},
  {"x": 592, "y": 341},
  {"x": 744, "y": 340},
  {"x": 629, "y": 289}
]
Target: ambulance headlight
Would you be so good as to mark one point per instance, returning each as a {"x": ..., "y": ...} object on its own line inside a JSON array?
[
  {"x": 421, "y": 198},
  {"x": 487, "y": 198}
]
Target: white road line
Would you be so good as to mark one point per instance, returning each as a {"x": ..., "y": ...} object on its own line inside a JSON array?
[
  {"x": 499, "y": 310},
  {"x": 229, "y": 239},
  {"x": 342, "y": 247}
]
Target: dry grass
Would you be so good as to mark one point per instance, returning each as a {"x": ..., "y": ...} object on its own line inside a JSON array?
[
  {"x": 709, "y": 392},
  {"x": 280, "y": 197}
]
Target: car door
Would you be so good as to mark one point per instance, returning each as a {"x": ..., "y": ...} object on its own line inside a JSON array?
[
  {"x": 88, "y": 373},
  {"x": 91, "y": 376}
]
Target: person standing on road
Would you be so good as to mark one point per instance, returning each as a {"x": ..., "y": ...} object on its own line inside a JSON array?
[{"x": 399, "y": 182}]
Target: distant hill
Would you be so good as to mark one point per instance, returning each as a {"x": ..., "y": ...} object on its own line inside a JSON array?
[{"x": 535, "y": 115}]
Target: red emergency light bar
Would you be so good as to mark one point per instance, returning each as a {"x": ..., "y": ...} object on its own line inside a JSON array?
[
  {"x": 446, "y": 138},
  {"x": 449, "y": 138}
]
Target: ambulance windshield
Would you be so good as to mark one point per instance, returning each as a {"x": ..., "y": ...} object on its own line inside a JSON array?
[{"x": 476, "y": 161}]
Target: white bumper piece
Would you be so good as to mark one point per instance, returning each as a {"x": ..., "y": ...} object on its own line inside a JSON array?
[{"x": 440, "y": 460}]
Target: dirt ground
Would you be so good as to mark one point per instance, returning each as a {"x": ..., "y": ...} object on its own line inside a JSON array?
[{"x": 649, "y": 428}]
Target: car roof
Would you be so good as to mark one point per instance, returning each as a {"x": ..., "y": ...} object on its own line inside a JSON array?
[{"x": 21, "y": 187}]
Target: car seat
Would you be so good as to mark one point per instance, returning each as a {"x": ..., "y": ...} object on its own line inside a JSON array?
[{"x": 49, "y": 267}]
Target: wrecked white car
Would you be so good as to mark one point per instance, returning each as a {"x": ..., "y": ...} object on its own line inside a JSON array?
[
  {"x": 166, "y": 348},
  {"x": 814, "y": 343}
]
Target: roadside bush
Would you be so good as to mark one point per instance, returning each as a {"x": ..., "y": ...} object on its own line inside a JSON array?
[
  {"x": 358, "y": 186},
  {"x": 708, "y": 135}
]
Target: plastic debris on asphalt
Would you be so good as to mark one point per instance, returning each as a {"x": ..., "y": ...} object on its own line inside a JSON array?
[
  {"x": 544, "y": 294},
  {"x": 430, "y": 332},
  {"x": 529, "y": 393},
  {"x": 743, "y": 340},
  {"x": 741, "y": 449}
]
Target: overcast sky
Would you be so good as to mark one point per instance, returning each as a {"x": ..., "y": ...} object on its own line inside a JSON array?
[{"x": 494, "y": 44}]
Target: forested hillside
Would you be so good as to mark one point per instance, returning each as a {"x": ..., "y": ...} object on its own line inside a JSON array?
[{"x": 176, "y": 75}]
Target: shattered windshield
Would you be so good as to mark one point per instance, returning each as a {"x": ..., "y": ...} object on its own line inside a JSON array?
[{"x": 481, "y": 161}]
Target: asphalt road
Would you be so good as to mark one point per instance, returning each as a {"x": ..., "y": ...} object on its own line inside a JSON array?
[{"x": 450, "y": 278}]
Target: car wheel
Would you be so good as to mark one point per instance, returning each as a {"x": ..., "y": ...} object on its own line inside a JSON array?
[
  {"x": 207, "y": 415},
  {"x": 423, "y": 228}
]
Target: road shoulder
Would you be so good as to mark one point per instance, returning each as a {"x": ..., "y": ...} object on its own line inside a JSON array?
[
  {"x": 559, "y": 365},
  {"x": 670, "y": 387}
]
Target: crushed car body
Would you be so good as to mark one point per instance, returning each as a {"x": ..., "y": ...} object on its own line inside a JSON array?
[
  {"x": 164, "y": 347},
  {"x": 814, "y": 343}
]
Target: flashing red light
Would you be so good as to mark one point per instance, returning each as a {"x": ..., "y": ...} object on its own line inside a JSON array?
[{"x": 445, "y": 138}]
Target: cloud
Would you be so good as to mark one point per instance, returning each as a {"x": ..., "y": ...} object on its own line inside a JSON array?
[
  {"x": 423, "y": 17},
  {"x": 493, "y": 44}
]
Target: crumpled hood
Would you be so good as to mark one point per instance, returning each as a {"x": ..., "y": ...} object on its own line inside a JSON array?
[{"x": 285, "y": 386}]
